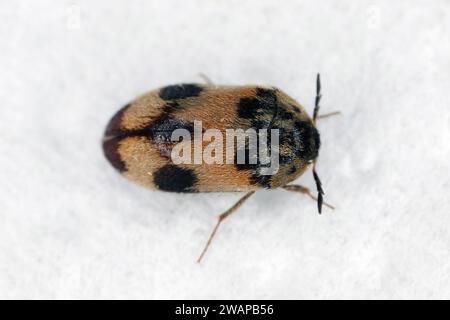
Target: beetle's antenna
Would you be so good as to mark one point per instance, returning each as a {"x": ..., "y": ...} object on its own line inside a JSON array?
[
  {"x": 320, "y": 192},
  {"x": 318, "y": 96}
]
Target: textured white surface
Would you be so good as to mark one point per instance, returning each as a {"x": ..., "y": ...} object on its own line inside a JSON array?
[{"x": 71, "y": 227}]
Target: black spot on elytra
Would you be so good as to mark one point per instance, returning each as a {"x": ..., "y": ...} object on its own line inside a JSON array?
[
  {"x": 114, "y": 125},
  {"x": 112, "y": 137},
  {"x": 175, "y": 179},
  {"x": 263, "y": 104},
  {"x": 161, "y": 130},
  {"x": 111, "y": 151},
  {"x": 247, "y": 108},
  {"x": 180, "y": 91}
]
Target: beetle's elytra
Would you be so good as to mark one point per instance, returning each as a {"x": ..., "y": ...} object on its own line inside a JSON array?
[{"x": 137, "y": 140}]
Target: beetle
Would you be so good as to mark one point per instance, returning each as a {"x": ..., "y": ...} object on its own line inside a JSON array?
[{"x": 138, "y": 140}]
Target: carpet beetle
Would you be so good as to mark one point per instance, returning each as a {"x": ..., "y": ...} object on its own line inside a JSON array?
[{"x": 139, "y": 143}]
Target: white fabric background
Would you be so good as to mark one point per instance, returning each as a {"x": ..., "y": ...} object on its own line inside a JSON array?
[{"x": 71, "y": 227}]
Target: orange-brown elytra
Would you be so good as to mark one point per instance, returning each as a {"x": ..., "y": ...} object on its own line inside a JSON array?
[{"x": 139, "y": 141}]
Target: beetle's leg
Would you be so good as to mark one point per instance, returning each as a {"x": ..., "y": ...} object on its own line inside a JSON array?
[
  {"x": 206, "y": 79},
  {"x": 222, "y": 217},
  {"x": 304, "y": 190},
  {"x": 326, "y": 115}
]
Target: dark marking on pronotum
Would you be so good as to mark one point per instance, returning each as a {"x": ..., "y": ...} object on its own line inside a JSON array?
[
  {"x": 309, "y": 140},
  {"x": 285, "y": 115},
  {"x": 175, "y": 179},
  {"x": 111, "y": 151},
  {"x": 180, "y": 91}
]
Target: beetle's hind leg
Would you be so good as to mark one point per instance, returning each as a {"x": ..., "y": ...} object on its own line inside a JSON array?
[
  {"x": 222, "y": 217},
  {"x": 301, "y": 189}
]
